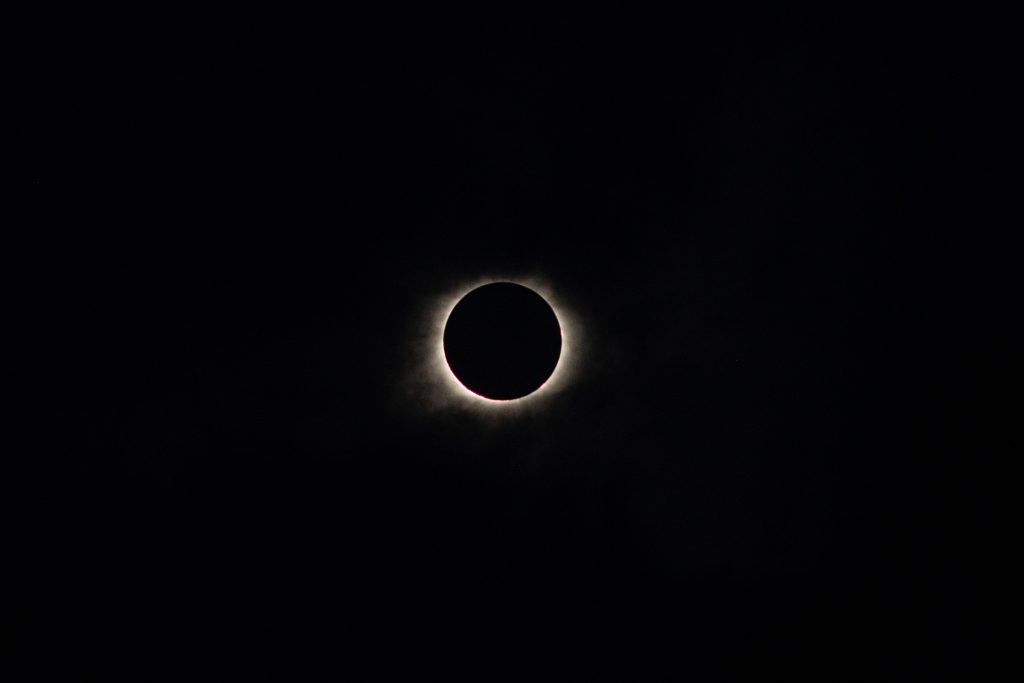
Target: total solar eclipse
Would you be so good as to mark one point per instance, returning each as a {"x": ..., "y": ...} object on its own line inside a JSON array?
[{"x": 502, "y": 341}]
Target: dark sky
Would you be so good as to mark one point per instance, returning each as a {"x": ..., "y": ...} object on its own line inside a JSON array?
[{"x": 759, "y": 463}]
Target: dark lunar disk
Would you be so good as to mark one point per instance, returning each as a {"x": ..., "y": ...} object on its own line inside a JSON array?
[{"x": 502, "y": 341}]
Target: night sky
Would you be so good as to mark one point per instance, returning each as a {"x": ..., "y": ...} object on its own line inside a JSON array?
[{"x": 759, "y": 457}]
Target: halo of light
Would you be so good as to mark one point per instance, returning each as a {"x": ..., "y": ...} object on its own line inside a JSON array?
[{"x": 440, "y": 388}]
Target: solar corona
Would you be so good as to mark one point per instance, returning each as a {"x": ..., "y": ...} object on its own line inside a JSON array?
[{"x": 497, "y": 346}]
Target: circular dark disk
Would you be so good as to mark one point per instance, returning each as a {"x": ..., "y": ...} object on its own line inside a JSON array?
[{"x": 502, "y": 341}]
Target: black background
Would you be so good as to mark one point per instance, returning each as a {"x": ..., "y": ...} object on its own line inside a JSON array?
[{"x": 764, "y": 463}]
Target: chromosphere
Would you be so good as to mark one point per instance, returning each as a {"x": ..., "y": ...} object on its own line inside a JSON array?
[{"x": 502, "y": 341}]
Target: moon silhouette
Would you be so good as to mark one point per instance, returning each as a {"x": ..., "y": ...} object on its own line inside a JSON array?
[{"x": 502, "y": 341}]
